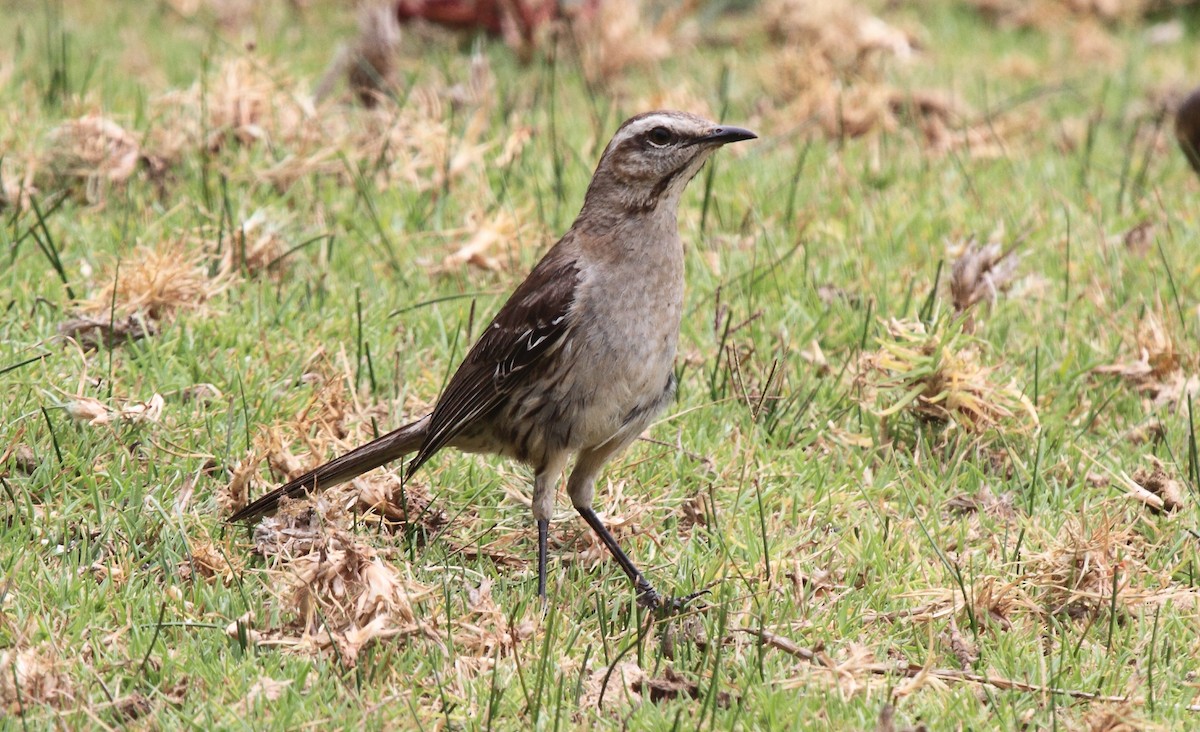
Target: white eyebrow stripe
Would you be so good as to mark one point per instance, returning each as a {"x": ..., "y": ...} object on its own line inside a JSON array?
[{"x": 643, "y": 125}]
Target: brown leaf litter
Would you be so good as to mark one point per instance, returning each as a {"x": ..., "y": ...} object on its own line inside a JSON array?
[
  {"x": 210, "y": 562},
  {"x": 1156, "y": 488},
  {"x": 93, "y": 412},
  {"x": 1097, "y": 561},
  {"x": 1158, "y": 369},
  {"x": 980, "y": 273},
  {"x": 830, "y": 64},
  {"x": 494, "y": 243},
  {"x": 1053, "y": 15},
  {"x": 830, "y": 69},
  {"x": 619, "y": 34},
  {"x": 93, "y": 154},
  {"x": 33, "y": 675},
  {"x": 92, "y": 332},
  {"x": 625, "y": 684},
  {"x": 399, "y": 504},
  {"x": 1140, "y": 237},
  {"x": 342, "y": 595},
  {"x": 331, "y": 421},
  {"x": 247, "y": 103},
  {"x": 19, "y": 456},
  {"x": 485, "y": 630},
  {"x": 939, "y": 375}
]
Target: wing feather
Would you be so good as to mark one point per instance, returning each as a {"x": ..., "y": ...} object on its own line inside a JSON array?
[{"x": 531, "y": 326}]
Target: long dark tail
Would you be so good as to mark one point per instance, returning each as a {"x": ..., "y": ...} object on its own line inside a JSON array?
[{"x": 339, "y": 470}]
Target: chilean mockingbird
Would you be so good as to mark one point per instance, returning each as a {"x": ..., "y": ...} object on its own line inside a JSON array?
[{"x": 581, "y": 357}]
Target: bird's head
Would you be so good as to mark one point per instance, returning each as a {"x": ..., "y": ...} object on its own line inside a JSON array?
[{"x": 652, "y": 157}]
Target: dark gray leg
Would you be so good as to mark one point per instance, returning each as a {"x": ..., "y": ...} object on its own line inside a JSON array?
[{"x": 543, "y": 532}]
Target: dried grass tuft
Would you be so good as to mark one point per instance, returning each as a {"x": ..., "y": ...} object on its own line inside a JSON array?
[
  {"x": 91, "y": 152},
  {"x": 1158, "y": 369},
  {"x": 209, "y": 562},
  {"x": 156, "y": 283},
  {"x": 1114, "y": 717},
  {"x": 17, "y": 187},
  {"x": 831, "y": 63},
  {"x": 619, "y": 35},
  {"x": 342, "y": 595},
  {"x": 940, "y": 376},
  {"x": 33, "y": 675},
  {"x": 1161, "y": 486},
  {"x": 1091, "y": 559},
  {"x": 494, "y": 244},
  {"x": 399, "y": 504},
  {"x": 485, "y": 630},
  {"x": 243, "y": 102},
  {"x": 845, "y": 34}
]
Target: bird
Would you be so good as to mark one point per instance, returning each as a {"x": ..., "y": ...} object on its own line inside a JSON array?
[
  {"x": 580, "y": 359},
  {"x": 1187, "y": 128}
]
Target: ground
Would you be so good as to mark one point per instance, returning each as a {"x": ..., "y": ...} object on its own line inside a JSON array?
[{"x": 933, "y": 454}]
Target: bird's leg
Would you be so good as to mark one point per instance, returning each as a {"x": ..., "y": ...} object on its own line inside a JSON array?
[
  {"x": 581, "y": 486},
  {"x": 543, "y": 532},
  {"x": 647, "y": 596},
  {"x": 545, "y": 481}
]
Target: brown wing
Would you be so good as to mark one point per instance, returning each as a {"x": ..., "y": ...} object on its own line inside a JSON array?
[{"x": 530, "y": 326}]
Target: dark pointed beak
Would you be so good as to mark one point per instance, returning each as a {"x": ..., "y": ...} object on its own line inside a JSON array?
[{"x": 725, "y": 135}]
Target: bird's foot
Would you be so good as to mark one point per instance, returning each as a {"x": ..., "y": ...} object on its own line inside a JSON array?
[{"x": 649, "y": 598}]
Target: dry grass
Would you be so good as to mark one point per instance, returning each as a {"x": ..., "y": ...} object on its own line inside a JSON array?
[
  {"x": 156, "y": 282},
  {"x": 33, "y": 675},
  {"x": 1156, "y": 368},
  {"x": 831, "y": 63},
  {"x": 91, "y": 154},
  {"x": 620, "y": 35},
  {"x": 256, "y": 247},
  {"x": 1098, "y": 561},
  {"x": 93, "y": 412},
  {"x": 1050, "y": 15},
  {"x": 938, "y": 374},
  {"x": 495, "y": 241},
  {"x": 343, "y": 597}
]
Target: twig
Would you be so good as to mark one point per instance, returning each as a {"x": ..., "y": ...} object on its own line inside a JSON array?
[{"x": 912, "y": 670}]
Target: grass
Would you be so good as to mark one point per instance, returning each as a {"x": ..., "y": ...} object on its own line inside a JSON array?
[{"x": 875, "y": 550}]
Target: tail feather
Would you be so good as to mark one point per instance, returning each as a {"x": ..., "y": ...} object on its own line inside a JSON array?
[{"x": 378, "y": 452}]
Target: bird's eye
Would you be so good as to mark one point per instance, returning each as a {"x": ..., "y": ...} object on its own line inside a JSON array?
[{"x": 660, "y": 136}]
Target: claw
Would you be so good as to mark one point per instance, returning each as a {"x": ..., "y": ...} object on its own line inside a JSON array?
[{"x": 649, "y": 598}]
